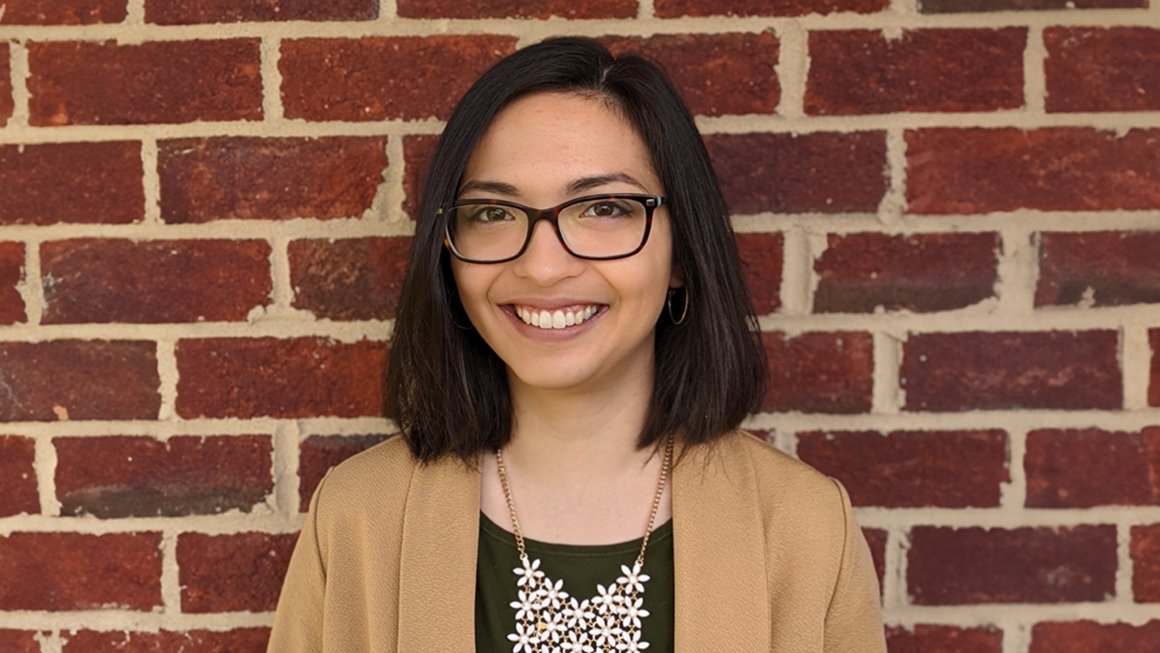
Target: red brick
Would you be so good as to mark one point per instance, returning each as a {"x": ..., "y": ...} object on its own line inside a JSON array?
[
  {"x": 858, "y": 273},
  {"x": 321, "y": 452},
  {"x": 1154, "y": 386},
  {"x": 18, "y": 492},
  {"x": 74, "y": 571},
  {"x": 1116, "y": 268},
  {"x": 978, "y": 170},
  {"x": 876, "y": 539},
  {"x": 417, "y": 153},
  {"x": 761, "y": 256},
  {"x": 949, "y": 566},
  {"x": 950, "y": 469},
  {"x": 232, "y": 573},
  {"x": 677, "y": 8},
  {"x": 63, "y": 12},
  {"x": 1102, "y": 69},
  {"x": 1009, "y": 370},
  {"x": 716, "y": 74},
  {"x": 155, "y": 82},
  {"x": 926, "y": 638},
  {"x": 382, "y": 78},
  {"x": 800, "y": 173},
  {"x": 7, "y": 102},
  {"x": 269, "y": 178},
  {"x": 1090, "y": 467},
  {"x": 87, "y": 183},
  {"x": 819, "y": 372},
  {"x": 517, "y": 9},
  {"x": 241, "y": 640},
  {"x": 1145, "y": 551},
  {"x": 122, "y": 476},
  {"x": 88, "y": 280},
  {"x": 79, "y": 379},
  {"x": 1089, "y": 636},
  {"x": 18, "y": 641},
  {"x": 349, "y": 279},
  {"x": 862, "y": 71},
  {"x": 190, "y": 12},
  {"x": 259, "y": 377},
  {"x": 11, "y": 274},
  {"x": 959, "y": 6}
]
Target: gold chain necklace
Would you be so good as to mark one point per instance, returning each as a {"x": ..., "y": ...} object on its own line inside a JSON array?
[{"x": 549, "y": 619}]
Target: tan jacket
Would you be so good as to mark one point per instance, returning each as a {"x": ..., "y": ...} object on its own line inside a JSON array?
[{"x": 767, "y": 558}]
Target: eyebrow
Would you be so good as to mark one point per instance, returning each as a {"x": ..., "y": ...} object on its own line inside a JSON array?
[{"x": 574, "y": 187}]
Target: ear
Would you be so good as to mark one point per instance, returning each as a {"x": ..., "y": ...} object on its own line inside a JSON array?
[{"x": 677, "y": 278}]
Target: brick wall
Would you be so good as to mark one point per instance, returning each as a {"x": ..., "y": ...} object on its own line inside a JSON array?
[{"x": 949, "y": 209}]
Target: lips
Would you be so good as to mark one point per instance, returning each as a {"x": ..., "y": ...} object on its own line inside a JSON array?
[{"x": 560, "y": 318}]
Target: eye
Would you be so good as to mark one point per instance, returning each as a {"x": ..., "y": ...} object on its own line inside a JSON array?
[
  {"x": 606, "y": 209},
  {"x": 489, "y": 214}
]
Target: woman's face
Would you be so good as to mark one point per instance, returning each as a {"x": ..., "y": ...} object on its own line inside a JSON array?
[{"x": 541, "y": 151}]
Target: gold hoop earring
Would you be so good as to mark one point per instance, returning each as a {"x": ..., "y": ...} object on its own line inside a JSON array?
[{"x": 684, "y": 307}]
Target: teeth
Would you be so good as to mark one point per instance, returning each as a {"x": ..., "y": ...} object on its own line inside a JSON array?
[{"x": 558, "y": 319}]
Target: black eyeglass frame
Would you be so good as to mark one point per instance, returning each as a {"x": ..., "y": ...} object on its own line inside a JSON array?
[{"x": 552, "y": 215}]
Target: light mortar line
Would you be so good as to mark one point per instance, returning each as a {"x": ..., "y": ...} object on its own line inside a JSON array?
[
  {"x": 893, "y": 203},
  {"x": 907, "y": 8},
  {"x": 1125, "y": 567},
  {"x": 888, "y": 395},
  {"x": 222, "y": 230},
  {"x": 1135, "y": 364},
  {"x": 121, "y": 621},
  {"x": 135, "y": 14},
  {"x": 273, "y": 324},
  {"x": 1018, "y": 269},
  {"x": 197, "y": 427},
  {"x": 795, "y": 292},
  {"x": 31, "y": 287},
  {"x": 1028, "y": 221},
  {"x": 1034, "y": 75},
  {"x": 1019, "y": 119},
  {"x": 818, "y": 242},
  {"x": 1020, "y": 614},
  {"x": 976, "y": 318},
  {"x": 786, "y": 441},
  {"x": 45, "y": 467},
  {"x": 272, "y": 110},
  {"x": 388, "y": 11},
  {"x": 894, "y": 580},
  {"x": 21, "y": 97},
  {"x": 294, "y": 128},
  {"x": 233, "y": 521},
  {"x": 874, "y": 517},
  {"x": 287, "y": 440},
  {"x": 167, "y": 372},
  {"x": 170, "y": 575},
  {"x": 1013, "y": 494},
  {"x": 792, "y": 69},
  {"x": 1016, "y": 636},
  {"x": 387, "y": 205},
  {"x": 50, "y": 642},
  {"x": 282, "y": 293},
  {"x": 151, "y": 181},
  {"x": 645, "y": 9}
]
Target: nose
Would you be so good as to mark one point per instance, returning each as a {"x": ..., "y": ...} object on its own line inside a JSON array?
[{"x": 545, "y": 260}]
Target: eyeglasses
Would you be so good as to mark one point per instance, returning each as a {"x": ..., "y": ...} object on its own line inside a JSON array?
[{"x": 595, "y": 227}]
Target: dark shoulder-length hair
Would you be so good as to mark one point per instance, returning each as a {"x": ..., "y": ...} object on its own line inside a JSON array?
[{"x": 447, "y": 391}]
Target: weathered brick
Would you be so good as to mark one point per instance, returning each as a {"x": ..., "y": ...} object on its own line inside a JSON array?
[
  {"x": 75, "y": 571},
  {"x": 18, "y": 641},
  {"x": 241, "y": 640},
  {"x": 1106, "y": 268},
  {"x": 977, "y": 170},
  {"x": 960, "y": 6},
  {"x": 17, "y": 477},
  {"x": 349, "y": 279},
  {"x": 123, "y": 476},
  {"x": 925, "y": 638},
  {"x": 11, "y": 274},
  {"x": 981, "y": 370},
  {"x": 761, "y": 256},
  {"x": 256, "y": 563},
  {"x": 860, "y": 272},
  {"x": 7, "y": 102},
  {"x": 1145, "y": 551},
  {"x": 417, "y": 153},
  {"x": 1102, "y": 68},
  {"x": 1088, "y": 636},
  {"x": 383, "y": 78},
  {"x": 155, "y": 82},
  {"x": 1090, "y": 467},
  {"x": 1154, "y": 386},
  {"x": 190, "y": 12},
  {"x": 819, "y": 372},
  {"x": 49, "y": 183},
  {"x": 78, "y": 379},
  {"x": 269, "y": 178},
  {"x": 88, "y": 280},
  {"x": 63, "y": 12},
  {"x": 301, "y": 377},
  {"x": 876, "y": 539},
  {"x": 950, "y": 566},
  {"x": 517, "y": 9},
  {"x": 950, "y": 469},
  {"x": 716, "y": 74},
  {"x": 318, "y": 453},
  {"x": 677, "y": 8},
  {"x": 862, "y": 71},
  {"x": 799, "y": 173}
]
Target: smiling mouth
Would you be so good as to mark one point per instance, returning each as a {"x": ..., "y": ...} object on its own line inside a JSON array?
[{"x": 557, "y": 319}]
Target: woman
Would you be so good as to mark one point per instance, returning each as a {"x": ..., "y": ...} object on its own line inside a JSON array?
[{"x": 574, "y": 351}]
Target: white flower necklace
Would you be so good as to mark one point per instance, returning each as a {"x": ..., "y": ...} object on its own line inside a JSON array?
[{"x": 549, "y": 620}]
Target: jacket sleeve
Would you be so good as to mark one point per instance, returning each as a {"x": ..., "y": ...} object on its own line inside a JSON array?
[
  {"x": 298, "y": 621},
  {"x": 854, "y": 617}
]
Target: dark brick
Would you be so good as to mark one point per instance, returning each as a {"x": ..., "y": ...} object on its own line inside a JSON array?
[
  {"x": 1116, "y": 268},
  {"x": 319, "y": 453},
  {"x": 949, "y": 566},
  {"x": 1090, "y": 467},
  {"x": 351, "y": 278},
  {"x": 190, "y": 12},
  {"x": 801, "y": 173},
  {"x": 17, "y": 477},
  {"x": 1154, "y": 386},
  {"x": 417, "y": 153},
  {"x": 862, "y": 71},
  {"x": 1102, "y": 68},
  {"x": 269, "y": 178},
  {"x": 256, "y": 563},
  {"x": 926, "y": 638},
  {"x": 122, "y": 476},
  {"x": 11, "y": 274},
  {"x": 7, "y": 102},
  {"x": 88, "y": 280},
  {"x": 949, "y": 469},
  {"x": 961, "y": 6},
  {"x": 18, "y": 641},
  {"x": 980, "y": 370},
  {"x": 517, "y": 9},
  {"x": 155, "y": 82},
  {"x": 677, "y": 8},
  {"x": 1145, "y": 551},
  {"x": 716, "y": 74},
  {"x": 380, "y": 78},
  {"x": 259, "y": 377},
  {"x": 921, "y": 272},
  {"x": 876, "y": 539},
  {"x": 977, "y": 170},
  {"x": 241, "y": 640},
  {"x": 761, "y": 256},
  {"x": 819, "y": 372},
  {"x": 88, "y": 183},
  {"x": 1089, "y": 636},
  {"x": 78, "y": 379},
  {"x": 74, "y": 571},
  {"x": 63, "y": 12}
]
